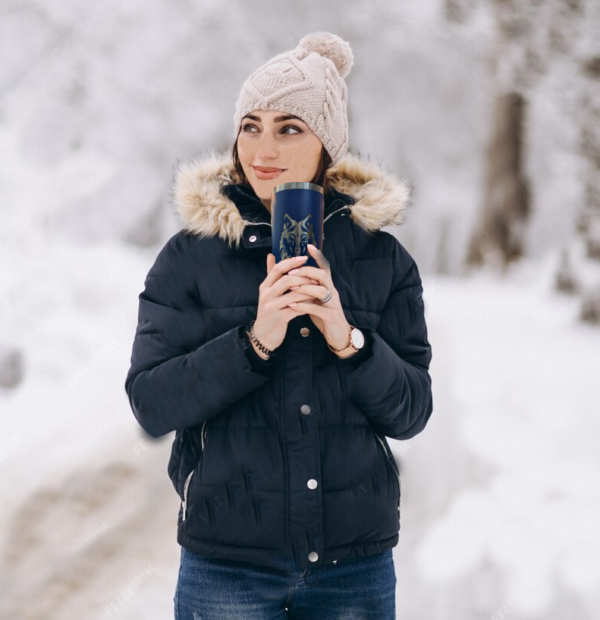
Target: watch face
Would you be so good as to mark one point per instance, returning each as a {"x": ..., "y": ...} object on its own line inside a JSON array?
[{"x": 358, "y": 338}]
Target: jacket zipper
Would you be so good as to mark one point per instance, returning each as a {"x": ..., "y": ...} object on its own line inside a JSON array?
[
  {"x": 337, "y": 211},
  {"x": 186, "y": 486},
  {"x": 203, "y": 434},
  {"x": 389, "y": 459}
]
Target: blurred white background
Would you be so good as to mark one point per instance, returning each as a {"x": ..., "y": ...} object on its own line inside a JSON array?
[{"x": 490, "y": 108}]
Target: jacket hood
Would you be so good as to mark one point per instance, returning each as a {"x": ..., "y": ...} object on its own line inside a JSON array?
[{"x": 379, "y": 198}]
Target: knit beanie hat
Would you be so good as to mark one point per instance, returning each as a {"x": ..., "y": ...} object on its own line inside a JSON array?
[{"x": 307, "y": 82}]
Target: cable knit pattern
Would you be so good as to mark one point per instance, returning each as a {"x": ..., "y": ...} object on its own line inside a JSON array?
[{"x": 309, "y": 83}]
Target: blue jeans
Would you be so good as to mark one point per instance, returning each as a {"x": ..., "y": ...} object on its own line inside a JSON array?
[{"x": 352, "y": 589}]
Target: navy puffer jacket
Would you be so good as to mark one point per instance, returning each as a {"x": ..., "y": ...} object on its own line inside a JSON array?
[{"x": 285, "y": 457}]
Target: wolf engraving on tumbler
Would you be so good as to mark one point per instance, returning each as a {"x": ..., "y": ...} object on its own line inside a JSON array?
[{"x": 296, "y": 236}]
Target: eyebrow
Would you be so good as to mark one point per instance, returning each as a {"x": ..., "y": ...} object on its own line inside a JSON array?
[{"x": 277, "y": 119}]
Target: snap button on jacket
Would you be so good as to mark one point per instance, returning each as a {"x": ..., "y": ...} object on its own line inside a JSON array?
[{"x": 285, "y": 457}]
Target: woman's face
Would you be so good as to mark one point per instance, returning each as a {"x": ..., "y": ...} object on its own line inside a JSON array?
[{"x": 270, "y": 139}]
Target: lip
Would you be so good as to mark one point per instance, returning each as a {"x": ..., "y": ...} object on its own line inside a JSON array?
[{"x": 267, "y": 173}]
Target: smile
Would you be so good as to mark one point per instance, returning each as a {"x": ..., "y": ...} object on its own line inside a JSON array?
[{"x": 267, "y": 173}]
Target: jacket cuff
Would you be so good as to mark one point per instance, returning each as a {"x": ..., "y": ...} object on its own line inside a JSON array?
[
  {"x": 257, "y": 363},
  {"x": 354, "y": 361}
]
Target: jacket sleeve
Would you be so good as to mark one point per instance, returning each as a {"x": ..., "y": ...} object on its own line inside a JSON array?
[
  {"x": 390, "y": 382},
  {"x": 178, "y": 378}
]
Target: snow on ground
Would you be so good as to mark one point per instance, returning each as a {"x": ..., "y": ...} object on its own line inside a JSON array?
[
  {"x": 500, "y": 499},
  {"x": 88, "y": 512},
  {"x": 510, "y": 460}
]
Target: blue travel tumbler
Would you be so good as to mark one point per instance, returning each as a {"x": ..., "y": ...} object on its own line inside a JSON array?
[{"x": 297, "y": 212}]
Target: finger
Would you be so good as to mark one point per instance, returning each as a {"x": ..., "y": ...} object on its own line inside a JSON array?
[
  {"x": 286, "y": 282},
  {"x": 318, "y": 292},
  {"x": 293, "y": 297},
  {"x": 319, "y": 257},
  {"x": 321, "y": 276},
  {"x": 271, "y": 262},
  {"x": 282, "y": 267},
  {"x": 307, "y": 307}
]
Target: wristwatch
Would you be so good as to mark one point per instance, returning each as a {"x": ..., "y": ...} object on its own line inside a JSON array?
[{"x": 357, "y": 341}]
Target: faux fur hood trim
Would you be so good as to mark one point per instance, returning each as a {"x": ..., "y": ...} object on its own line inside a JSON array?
[{"x": 380, "y": 198}]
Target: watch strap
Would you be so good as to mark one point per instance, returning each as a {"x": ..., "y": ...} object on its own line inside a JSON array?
[{"x": 349, "y": 346}]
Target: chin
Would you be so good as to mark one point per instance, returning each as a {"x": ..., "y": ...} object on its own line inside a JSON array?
[{"x": 264, "y": 188}]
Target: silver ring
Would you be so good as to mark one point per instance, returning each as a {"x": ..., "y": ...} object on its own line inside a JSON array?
[{"x": 327, "y": 297}]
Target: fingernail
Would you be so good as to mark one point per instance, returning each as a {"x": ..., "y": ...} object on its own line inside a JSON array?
[
  {"x": 293, "y": 271},
  {"x": 301, "y": 258}
]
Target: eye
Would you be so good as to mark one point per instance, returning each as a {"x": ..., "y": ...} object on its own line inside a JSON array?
[{"x": 296, "y": 129}]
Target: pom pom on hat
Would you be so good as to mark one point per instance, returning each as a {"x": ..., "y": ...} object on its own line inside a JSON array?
[{"x": 332, "y": 47}]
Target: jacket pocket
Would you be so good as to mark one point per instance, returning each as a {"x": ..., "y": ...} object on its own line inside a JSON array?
[
  {"x": 390, "y": 457},
  {"x": 188, "y": 480},
  {"x": 177, "y": 450}
]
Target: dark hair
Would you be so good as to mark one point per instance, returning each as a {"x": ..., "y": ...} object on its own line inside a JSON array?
[{"x": 320, "y": 177}]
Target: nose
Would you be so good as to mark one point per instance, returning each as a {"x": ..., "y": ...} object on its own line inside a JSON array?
[{"x": 267, "y": 147}]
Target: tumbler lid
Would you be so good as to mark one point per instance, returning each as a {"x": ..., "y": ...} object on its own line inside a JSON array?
[{"x": 297, "y": 185}]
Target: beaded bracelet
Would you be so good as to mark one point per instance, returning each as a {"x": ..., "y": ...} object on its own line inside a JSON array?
[{"x": 256, "y": 341}]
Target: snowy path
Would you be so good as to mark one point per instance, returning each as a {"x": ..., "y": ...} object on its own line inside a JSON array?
[{"x": 98, "y": 544}]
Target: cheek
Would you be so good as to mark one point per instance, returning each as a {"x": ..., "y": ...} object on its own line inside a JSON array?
[
  {"x": 312, "y": 155},
  {"x": 244, "y": 150},
  {"x": 305, "y": 158}
]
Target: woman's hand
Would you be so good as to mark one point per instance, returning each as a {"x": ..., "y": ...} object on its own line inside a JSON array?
[
  {"x": 274, "y": 313},
  {"x": 329, "y": 317}
]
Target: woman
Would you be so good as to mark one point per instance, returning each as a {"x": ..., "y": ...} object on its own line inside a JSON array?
[{"x": 281, "y": 381}]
